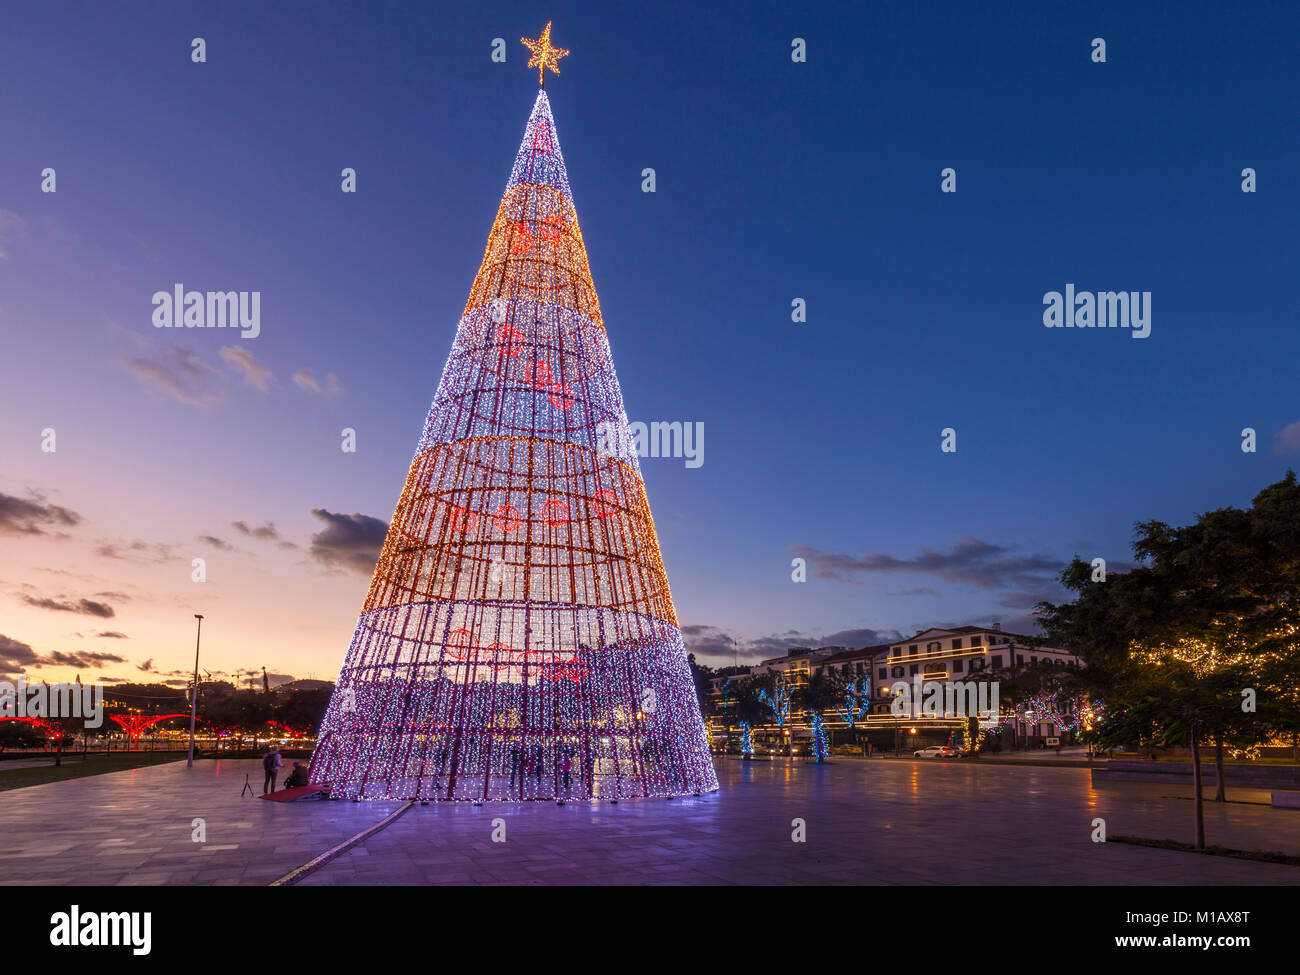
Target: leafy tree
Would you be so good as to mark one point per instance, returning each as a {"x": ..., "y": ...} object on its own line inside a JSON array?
[
  {"x": 1177, "y": 647},
  {"x": 820, "y": 693},
  {"x": 748, "y": 708},
  {"x": 304, "y": 709}
]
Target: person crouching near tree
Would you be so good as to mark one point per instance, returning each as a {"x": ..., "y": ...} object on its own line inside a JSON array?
[{"x": 298, "y": 777}]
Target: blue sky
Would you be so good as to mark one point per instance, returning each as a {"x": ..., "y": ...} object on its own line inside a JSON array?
[{"x": 775, "y": 180}]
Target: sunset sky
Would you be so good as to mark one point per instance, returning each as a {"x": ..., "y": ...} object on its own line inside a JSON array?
[{"x": 775, "y": 180}]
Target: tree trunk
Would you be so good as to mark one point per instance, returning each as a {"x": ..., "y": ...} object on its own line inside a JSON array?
[
  {"x": 1196, "y": 788},
  {"x": 1219, "y": 795}
]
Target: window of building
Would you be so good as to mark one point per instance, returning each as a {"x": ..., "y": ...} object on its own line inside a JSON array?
[
  {"x": 1034, "y": 660},
  {"x": 898, "y": 671},
  {"x": 884, "y": 673},
  {"x": 915, "y": 668},
  {"x": 895, "y": 651},
  {"x": 956, "y": 666},
  {"x": 1020, "y": 660},
  {"x": 997, "y": 660},
  {"x": 911, "y": 650},
  {"x": 956, "y": 644},
  {"x": 975, "y": 641}
]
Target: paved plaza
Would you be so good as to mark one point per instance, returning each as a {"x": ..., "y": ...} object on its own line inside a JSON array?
[{"x": 867, "y": 822}]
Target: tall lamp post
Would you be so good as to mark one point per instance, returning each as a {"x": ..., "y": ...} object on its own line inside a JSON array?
[{"x": 194, "y": 695}]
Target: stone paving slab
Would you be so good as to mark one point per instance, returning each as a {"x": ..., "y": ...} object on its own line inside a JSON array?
[
  {"x": 868, "y": 822},
  {"x": 135, "y": 827}
]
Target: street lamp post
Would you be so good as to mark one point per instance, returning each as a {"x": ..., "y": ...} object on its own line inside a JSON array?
[{"x": 194, "y": 694}]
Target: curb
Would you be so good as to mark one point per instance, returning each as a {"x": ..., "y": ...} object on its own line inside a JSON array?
[{"x": 311, "y": 866}]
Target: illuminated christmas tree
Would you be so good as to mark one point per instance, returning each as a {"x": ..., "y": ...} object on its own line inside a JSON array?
[{"x": 519, "y": 639}]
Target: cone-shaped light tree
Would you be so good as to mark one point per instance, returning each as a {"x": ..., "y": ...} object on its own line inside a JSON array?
[{"x": 519, "y": 639}]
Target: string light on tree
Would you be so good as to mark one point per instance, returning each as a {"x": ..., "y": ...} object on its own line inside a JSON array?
[{"x": 519, "y": 609}]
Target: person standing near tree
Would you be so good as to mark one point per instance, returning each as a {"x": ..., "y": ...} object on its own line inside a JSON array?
[{"x": 270, "y": 765}]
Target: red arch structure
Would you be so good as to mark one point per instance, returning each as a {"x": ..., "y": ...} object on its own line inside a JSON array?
[
  {"x": 45, "y": 724},
  {"x": 136, "y": 724}
]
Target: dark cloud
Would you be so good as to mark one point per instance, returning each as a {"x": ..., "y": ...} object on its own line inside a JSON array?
[
  {"x": 33, "y": 515},
  {"x": 970, "y": 562},
  {"x": 856, "y": 639},
  {"x": 1025, "y": 623},
  {"x": 1022, "y": 580},
  {"x": 217, "y": 543},
  {"x": 15, "y": 657},
  {"x": 348, "y": 541},
  {"x": 708, "y": 641},
  {"x": 82, "y": 659},
  {"x": 112, "y": 635},
  {"x": 714, "y": 645},
  {"x": 776, "y": 644},
  {"x": 147, "y": 666},
  {"x": 89, "y": 607},
  {"x": 265, "y": 533}
]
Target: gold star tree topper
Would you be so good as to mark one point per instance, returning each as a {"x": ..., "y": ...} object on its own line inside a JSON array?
[{"x": 544, "y": 55}]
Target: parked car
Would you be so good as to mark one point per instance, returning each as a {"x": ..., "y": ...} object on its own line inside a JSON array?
[{"x": 937, "y": 751}]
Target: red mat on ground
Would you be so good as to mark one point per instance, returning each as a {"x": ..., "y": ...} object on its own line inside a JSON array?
[{"x": 297, "y": 792}]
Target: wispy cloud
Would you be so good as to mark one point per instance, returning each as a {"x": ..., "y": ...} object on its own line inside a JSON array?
[
  {"x": 12, "y": 227},
  {"x": 1288, "y": 440},
  {"x": 180, "y": 373},
  {"x": 238, "y": 358},
  {"x": 135, "y": 551},
  {"x": 306, "y": 380}
]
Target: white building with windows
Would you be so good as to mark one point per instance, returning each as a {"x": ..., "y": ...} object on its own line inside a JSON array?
[{"x": 957, "y": 653}]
